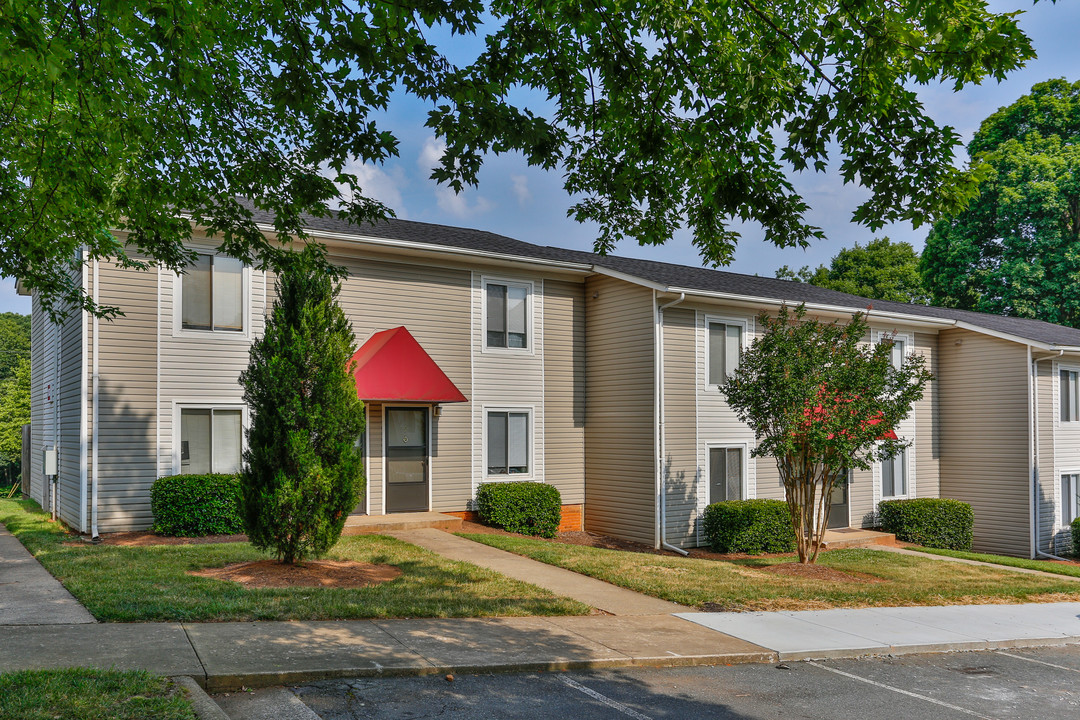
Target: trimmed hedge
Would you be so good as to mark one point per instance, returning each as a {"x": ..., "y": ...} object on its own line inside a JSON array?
[
  {"x": 529, "y": 508},
  {"x": 193, "y": 505},
  {"x": 749, "y": 526},
  {"x": 930, "y": 522},
  {"x": 1075, "y": 529}
]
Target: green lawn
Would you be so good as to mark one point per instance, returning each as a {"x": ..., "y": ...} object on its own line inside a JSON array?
[
  {"x": 86, "y": 694},
  {"x": 142, "y": 584},
  {"x": 743, "y": 585},
  {"x": 1044, "y": 565}
]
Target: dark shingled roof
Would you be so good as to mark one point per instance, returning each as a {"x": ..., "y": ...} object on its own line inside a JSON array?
[{"x": 683, "y": 277}]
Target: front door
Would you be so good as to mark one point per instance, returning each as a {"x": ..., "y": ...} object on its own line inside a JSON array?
[
  {"x": 838, "y": 510},
  {"x": 406, "y": 459}
]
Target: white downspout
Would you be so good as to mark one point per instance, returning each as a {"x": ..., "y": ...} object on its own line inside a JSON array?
[
  {"x": 94, "y": 443},
  {"x": 658, "y": 318},
  {"x": 1036, "y": 475}
]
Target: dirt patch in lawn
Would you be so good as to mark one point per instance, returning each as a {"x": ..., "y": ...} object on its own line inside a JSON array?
[
  {"x": 139, "y": 539},
  {"x": 817, "y": 572},
  {"x": 314, "y": 573}
]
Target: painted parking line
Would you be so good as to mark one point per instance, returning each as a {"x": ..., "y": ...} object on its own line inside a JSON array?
[
  {"x": 1039, "y": 662},
  {"x": 613, "y": 704},
  {"x": 875, "y": 683}
]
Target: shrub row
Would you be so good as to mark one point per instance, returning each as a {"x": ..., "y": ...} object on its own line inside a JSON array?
[
  {"x": 192, "y": 505},
  {"x": 529, "y": 508},
  {"x": 749, "y": 526},
  {"x": 930, "y": 522},
  {"x": 1075, "y": 529}
]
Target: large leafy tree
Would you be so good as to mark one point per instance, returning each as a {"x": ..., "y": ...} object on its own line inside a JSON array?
[
  {"x": 119, "y": 114},
  {"x": 881, "y": 270},
  {"x": 1016, "y": 249},
  {"x": 14, "y": 342},
  {"x": 821, "y": 402},
  {"x": 14, "y": 413},
  {"x": 303, "y": 472}
]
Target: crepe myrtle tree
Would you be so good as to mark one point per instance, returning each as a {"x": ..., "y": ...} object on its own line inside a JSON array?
[
  {"x": 821, "y": 401},
  {"x": 302, "y": 471}
]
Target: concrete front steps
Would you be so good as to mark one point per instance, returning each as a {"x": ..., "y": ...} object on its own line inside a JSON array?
[
  {"x": 856, "y": 537},
  {"x": 367, "y": 524}
]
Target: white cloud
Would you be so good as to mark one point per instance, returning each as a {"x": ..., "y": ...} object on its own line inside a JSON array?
[
  {"x": 460, "y": 205},
  {"x": 521, "y": 189},
  {"x": 380, "y": 183}
]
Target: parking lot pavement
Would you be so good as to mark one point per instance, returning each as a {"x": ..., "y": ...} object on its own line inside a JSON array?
[{"x": 1032, "y": 684}]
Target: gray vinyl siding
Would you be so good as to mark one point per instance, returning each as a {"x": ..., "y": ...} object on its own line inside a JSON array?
[
  {"x": 984, "y": 436},
  {"x": 619, "y": 440},
  {"x": 564, "y": 388},
  {"x": 41, "y": 372},
  {"x": 434, "y": 304},
  {"x": 70, "y": 437},
  {"x": 683, "y": 477},
  {"x": 127, "y": 385}
]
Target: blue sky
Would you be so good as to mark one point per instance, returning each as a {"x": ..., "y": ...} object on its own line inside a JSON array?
[{"x": 530, "y": 204}]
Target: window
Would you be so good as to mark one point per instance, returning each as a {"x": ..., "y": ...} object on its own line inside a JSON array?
[
  {"x": 897, "y": 353},
  {"x": 1070, "y": 498},
  {"x": 725, "y": 342},
  {"x": 210, "y": 440},
  {"x": 507, "y": 315},
  {"x": 725, "y": 474},
  {"x": 1069, "y": 396},
  {"x": 894, "y": 475},
  {"x": 212, "y": 294},
  {"x": 508, "y": 443}
]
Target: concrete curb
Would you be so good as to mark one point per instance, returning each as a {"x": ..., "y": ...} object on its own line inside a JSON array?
[
  {"x": 205, "y": 708},
  {"x": 926, "y": 649}
]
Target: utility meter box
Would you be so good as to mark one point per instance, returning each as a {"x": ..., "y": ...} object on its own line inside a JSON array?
[{"x": 48, "y": 461}]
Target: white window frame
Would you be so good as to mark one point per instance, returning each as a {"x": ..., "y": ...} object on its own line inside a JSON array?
[
  {"x": 907, "y": 478},
  {"x": 725, "y": 320},
  {"x": 743, "y": 481},
  {"x": 530, "y": 321},
  {"x": 207, "y": 405},
  {"x": 1074, "y": 506},
  {"x": 245, "y": 311},
  {"x": 1062, "y": 367},
  {"x": 529, "y": 410}
]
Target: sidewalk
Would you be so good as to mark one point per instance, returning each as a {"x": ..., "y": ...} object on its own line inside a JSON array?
[{"x": 29, "y": 595}]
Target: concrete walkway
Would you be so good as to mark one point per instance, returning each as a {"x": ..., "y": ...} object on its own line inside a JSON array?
[
  {"x": 29, "y": 595},
  {"x": 980, "y": 563},
  {"x": 815, "y": 634},
  {"x": 595, "y": 593}
]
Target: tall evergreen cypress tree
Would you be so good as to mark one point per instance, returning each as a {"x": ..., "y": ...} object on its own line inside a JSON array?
[{"x": 303, "y": 472}]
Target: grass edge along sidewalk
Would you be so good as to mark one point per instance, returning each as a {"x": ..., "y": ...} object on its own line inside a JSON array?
[
  {"x": 1003, "y": 560},
  {"x": 91, "y": 694},
  {"x": 150, "y": 583},
  {"x": 875, "y": 578}
]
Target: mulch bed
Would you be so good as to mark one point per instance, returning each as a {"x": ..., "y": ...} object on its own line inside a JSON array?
[
  {"x": 817, "y": 572},
  {"x": 313, "y": 573}
]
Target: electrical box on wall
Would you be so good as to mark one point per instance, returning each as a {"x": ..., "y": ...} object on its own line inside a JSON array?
[{"x": 48, "y": 463}]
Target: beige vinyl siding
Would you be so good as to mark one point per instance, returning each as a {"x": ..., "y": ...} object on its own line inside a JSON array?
[
  {"x": 564, "y": 388},
  {"x": 127, "y": 374},
  {"x": 984, "y": 436},
  {"x": 433, "y": 304},
  {"x": 619, "y": 420},
  {"x": 376, "y": 452},
  {"x": 1050, "y": 464},
  {"x": 927, "y": 448},
  {"x": 509, "y": 379},
  {"x": 683, "y": 477},
  {"x": 70, "y": 391}
]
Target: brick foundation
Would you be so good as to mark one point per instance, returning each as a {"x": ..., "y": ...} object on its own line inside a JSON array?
[{"x": 572, "y": 517}]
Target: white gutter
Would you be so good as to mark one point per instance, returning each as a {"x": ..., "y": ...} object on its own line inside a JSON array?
[
  {"x": 1036, "y": 459},
  {"x": 83, "y": 409},
  {"x": 95, "y": 480},
  {"x": 658, "y": 365}
]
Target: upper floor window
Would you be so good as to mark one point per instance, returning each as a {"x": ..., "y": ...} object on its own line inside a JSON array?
[
  {"x": 894, "y": 475},
  {"x": 1070, "y": 394},
  {"x": 507, "y": 315},
  {"x": 725, "y": 343},
  {"x": 898, "y": 347},
  {"x": 210, "y": 440},
  {"x": 508, "y": 443},
  {"x": 212, "y": 294}
]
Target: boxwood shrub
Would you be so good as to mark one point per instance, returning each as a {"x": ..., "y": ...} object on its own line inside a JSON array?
[
  {"x": 1075, "y": 529},
  {"x": 192, "y": 505},
  {"x": 749, "y": 526},
  {"x": 930, "y": 522},
  {"x": 529, "y": 508}
]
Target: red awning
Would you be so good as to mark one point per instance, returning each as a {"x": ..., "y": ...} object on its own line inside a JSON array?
[{"x": 392, "y": 367}]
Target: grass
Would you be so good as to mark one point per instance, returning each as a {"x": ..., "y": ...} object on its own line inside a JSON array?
[
  {"x": 87, "y": 694},
  {"x": 743, "y": 585},
  {"x": 144, "y": 584},
  {"x": 1043, "y": 565}
]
